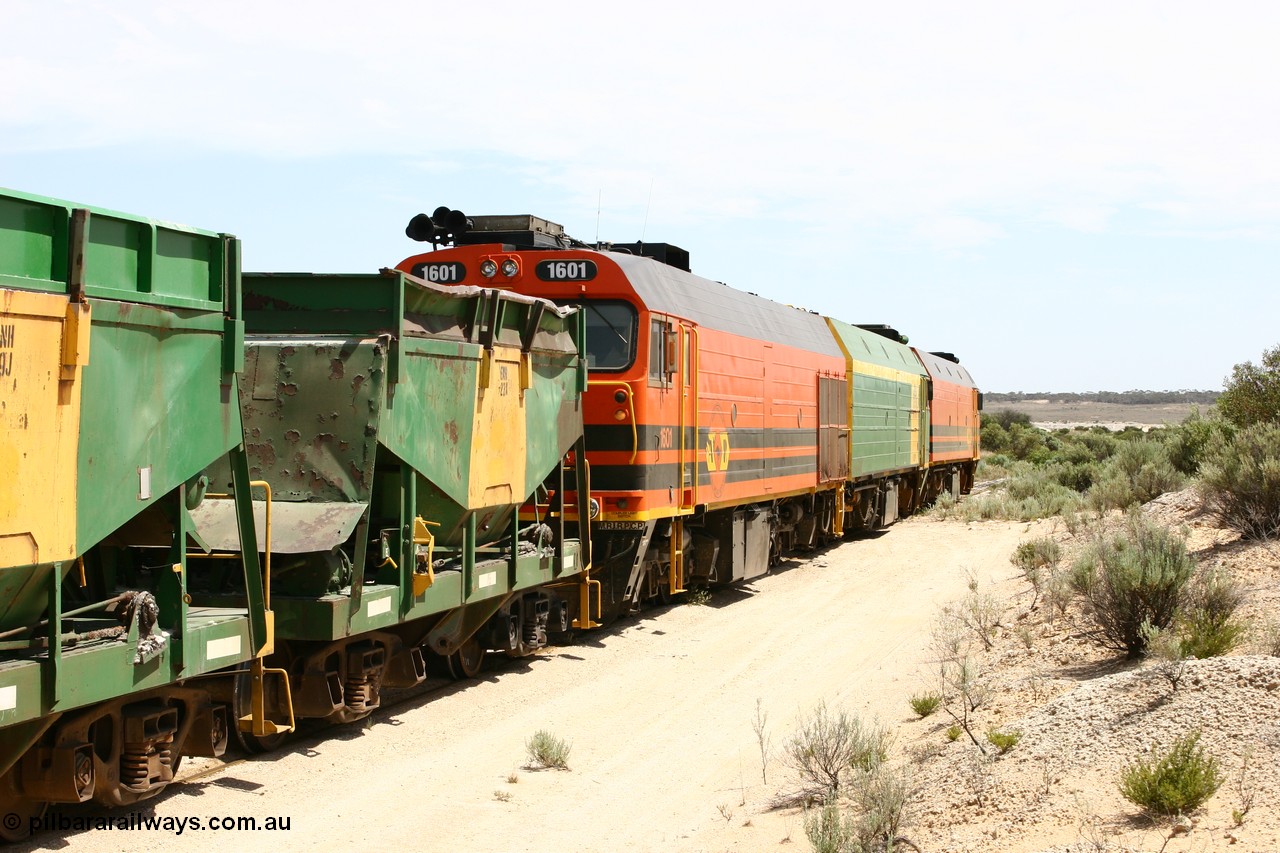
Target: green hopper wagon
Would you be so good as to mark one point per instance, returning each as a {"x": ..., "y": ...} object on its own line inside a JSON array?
[
  {"x": 120, "y": 348},
  {"x": 401, "y": 427}
]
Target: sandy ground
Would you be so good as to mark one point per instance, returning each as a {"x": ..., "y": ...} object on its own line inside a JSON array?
[{"x": 664, "y": 757}]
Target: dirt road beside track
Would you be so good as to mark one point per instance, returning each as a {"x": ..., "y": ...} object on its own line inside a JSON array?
[{"x": 658, "y": 711}]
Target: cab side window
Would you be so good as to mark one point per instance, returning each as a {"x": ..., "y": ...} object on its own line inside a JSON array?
[{"x": 659, "y": 370}]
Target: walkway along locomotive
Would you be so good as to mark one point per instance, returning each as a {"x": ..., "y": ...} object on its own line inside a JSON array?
[
  {"x": 722, "y": 429},
  {"x": 207, "y": 532}
]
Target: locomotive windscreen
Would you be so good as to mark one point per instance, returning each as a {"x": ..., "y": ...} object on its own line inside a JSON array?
[{"x": 611, "y": 333}]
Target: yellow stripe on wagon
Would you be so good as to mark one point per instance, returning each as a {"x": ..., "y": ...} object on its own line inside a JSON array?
[{"x": 44, "y": 341}]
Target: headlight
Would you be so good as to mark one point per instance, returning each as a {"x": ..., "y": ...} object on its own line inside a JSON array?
[
  {"x": 488, "y": 269},
  {"x": 510, "y": 268},
  {"x": 595, "y": 507}
]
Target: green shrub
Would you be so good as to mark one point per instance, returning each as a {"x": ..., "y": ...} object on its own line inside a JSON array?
[
  {"x": 1007, "y": 418},
  {"x": 880, "y": 799},
  {"x": 1252, "y": 394},
  {"x": 1187, "y": 443},
  {"x": 829, "y": 744},
  {"x": 953, "y": 732},
  {"x": 1206, "y": 627},
  {"x": 545, "y": 750},
  {"x": 1139, "y": 471},
  {"x": 925, "y": 704},
  {"x": 1265, "y": 637},
  {"x": 1003, "y": 741},
  {"x": 1037, "y": 558},
  {"x": 1240, "y": 481},
  {"x": 1175, "y": 782},
  {"x": 829, "y": 830},
  {"x": 1135, "y": 577}
]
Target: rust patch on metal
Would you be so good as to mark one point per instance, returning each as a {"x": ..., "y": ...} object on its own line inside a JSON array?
[
  {"x": 335, "y": 368},
  {"x": 357, "y": 383},
  {"x": 289, "y": 389},
  {"x": 451, "y": 431},
  {"x": 264, "y": 453},
  {"x": 293, "y": 435}
]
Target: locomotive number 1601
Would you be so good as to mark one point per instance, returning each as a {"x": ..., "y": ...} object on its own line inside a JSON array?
[{"x": 566, "y": 270}]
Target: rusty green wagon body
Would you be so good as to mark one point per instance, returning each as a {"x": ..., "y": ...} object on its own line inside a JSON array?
[
  {"x": 401, "y": 426},
  {"x": 120, "y": 349}
]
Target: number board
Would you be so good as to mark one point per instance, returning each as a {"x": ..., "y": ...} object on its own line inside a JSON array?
[
  {"x": 566, "y": 270},
  {"x": 450, "y": 272}
]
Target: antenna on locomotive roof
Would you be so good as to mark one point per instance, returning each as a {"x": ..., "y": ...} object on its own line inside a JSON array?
[
  {"x": 647, "y": 205},
  {"x": 599, "y": 196}
]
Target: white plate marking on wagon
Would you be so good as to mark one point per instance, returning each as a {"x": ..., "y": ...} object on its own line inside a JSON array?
[
  {"x": 568, "y": 561},
  {"x": 223, "y": 648},
  {"x": 8, "y": 697},
  {"x": 380, "y": 605},
  {"x": 486, "y": 579}
]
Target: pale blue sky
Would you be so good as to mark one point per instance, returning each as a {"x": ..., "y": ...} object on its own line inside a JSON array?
[{"x": 1070, "y": 196}]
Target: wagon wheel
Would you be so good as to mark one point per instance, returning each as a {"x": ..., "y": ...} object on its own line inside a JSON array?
[
  {"x": 467, "y": 661},
  {"x": 17, "y": 811},
  {"x": 242, "y": 706}
]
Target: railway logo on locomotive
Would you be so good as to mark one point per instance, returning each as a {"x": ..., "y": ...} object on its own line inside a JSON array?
[{"x": 717, "y": 451}]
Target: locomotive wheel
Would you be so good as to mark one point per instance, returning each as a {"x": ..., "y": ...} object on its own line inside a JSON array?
[
  {"x": 662, "y": 589},
  {"x": 16, "y": 811},
  {"x": 242, "y": 706},
  {"x": 467, "y": 661}
]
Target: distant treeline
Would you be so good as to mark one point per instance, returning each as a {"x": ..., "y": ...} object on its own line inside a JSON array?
[{"x": 1129, "y": 397}]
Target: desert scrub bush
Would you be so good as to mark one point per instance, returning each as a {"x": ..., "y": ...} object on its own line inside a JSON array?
[
  {"x": 1036, "y": 558},
  {"x": 944, "y": 506},
  {"x": 827, "y": 745},
  {"x": 1240, "y": 481},
  {"x": 545, "y": 750},
  {"x": 882, "y": 795},
  {"x": 829, "y": 829},
  {"x": 1139, "y": 471},
  {"x": 1027, "y": 493},
  {"x": 1265, "y": 638},
  {"x": 1135, "y": 578},
  {"x": 979, "y": 612},
  {"x": 993, "y": 466},
  {"x": 925, "y": 704},
  {"x": 699, "y": 596},
  {"x": 880, "y": 799},
  {"x": 1186, "y": 443},
  {"x": 1003, "y": 741},
  {"x": 1174, "y": 782},
  {"x": 953, "y": 733},
  {"x": 1164, "y": 650},
  {"x": 1207, "y": 626}
]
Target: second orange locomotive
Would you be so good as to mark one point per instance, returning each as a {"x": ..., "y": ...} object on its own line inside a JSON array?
[{"x": 722, "y": 429}]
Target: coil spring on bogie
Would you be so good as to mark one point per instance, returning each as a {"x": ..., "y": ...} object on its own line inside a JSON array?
[
  {"x": 358, "y": 693},
  {"x": 135, "y": 762}
]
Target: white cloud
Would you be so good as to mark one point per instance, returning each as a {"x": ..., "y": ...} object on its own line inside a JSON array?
[
  {"x": 1060, "y": 111},
  {"x": 958, "y": 232}
]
